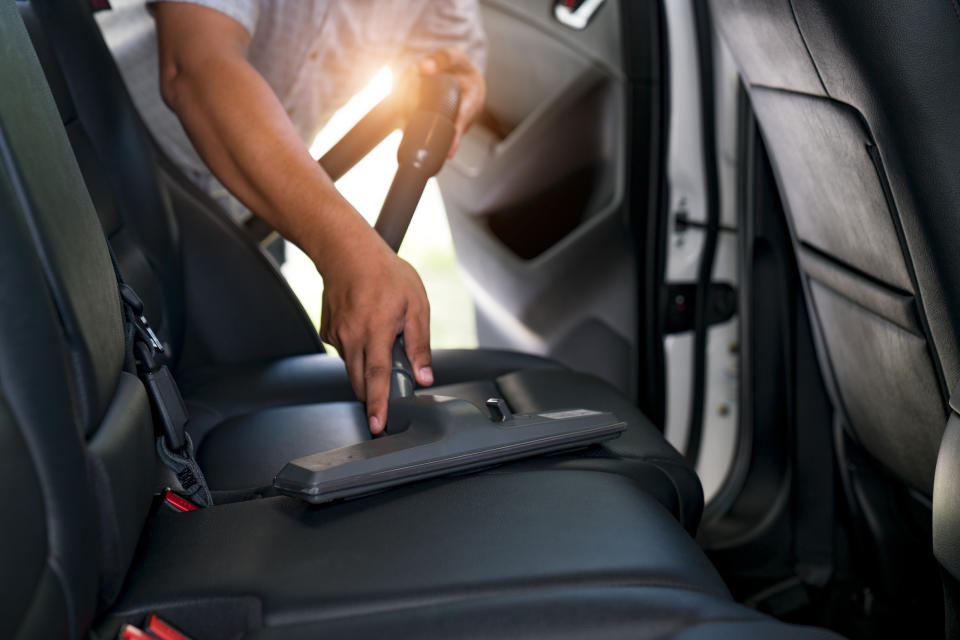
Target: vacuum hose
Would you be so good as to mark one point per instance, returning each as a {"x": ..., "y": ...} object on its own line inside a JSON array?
[
  {"x": 427, "y": 137},
  {"x": 426, "y": 141}
]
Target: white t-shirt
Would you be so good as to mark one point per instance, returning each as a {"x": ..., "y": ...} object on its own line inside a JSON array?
[{"x": 314, "y": 54}]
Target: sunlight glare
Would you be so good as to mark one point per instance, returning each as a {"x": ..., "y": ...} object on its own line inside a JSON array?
[
  {"x": 428, "y": 245},
  {"x": 349, "y": 114}
]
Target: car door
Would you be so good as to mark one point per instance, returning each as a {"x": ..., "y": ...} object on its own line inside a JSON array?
[
  {"x": 550, "y": 197},
  {"x": 592, "y": 208}
]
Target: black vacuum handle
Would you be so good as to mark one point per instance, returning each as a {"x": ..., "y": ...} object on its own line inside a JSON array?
[
  {"x": 380, "y": 122},
  {"x": 426, "y": 141},
  {"x": 402, "y": 382},
  {"x": 438, "y": 94}
]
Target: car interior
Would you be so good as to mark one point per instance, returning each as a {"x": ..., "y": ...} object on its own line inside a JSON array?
[{"x": 710, "y": 248}]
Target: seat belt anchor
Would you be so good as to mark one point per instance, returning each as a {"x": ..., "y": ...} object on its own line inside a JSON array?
[
  {"x": 144, "y": 325},
  {"x": 140, "y": 319}
]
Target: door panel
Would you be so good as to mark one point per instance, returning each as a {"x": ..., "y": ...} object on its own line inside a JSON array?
[{"x": 536, "y": 195}]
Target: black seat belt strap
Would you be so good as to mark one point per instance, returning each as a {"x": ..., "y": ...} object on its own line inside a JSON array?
[
  {"x": 171, "y": 411},
  {"x": 146, "y": 356}
]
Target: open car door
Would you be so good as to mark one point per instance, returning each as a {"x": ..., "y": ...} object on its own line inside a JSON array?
[{"x": 550, "y": 195}]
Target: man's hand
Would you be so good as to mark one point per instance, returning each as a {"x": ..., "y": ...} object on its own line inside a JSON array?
[
  {"x": 245, "y": 136},
  {"x": 473, "y": 90},
  {"x": 370, "y": 297}
]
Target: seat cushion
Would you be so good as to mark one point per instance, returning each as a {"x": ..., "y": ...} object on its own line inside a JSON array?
[
  {"x": 216, "y": 394},
  {"x": 472, "y": 536},
  {"x": 515, "y": 553},
  {"x": 599, "y": 613},
  {"x": 253, "y": 420}
]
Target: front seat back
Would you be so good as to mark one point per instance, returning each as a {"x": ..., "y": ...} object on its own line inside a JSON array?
[
  {"x": 211, "y": 294},
  {"x": 857, "y": 104}
]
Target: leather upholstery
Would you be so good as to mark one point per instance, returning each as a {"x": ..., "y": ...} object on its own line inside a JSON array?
[
  {"x": 239, "y": 398},
  {"x": 512, "y": 546},
  {"x": 769, "y": 49},
  {"x": 230, "y": 380},
  {"x": 628, "y": 612},
  {"x": 50, "y": 540},
  {"x": 420, "y": 544},
  {"x": 238, "y": 307},
  {"x": 219, "y": 393},
  {"x": 150, "y": 242},
  {"x": 859, "y": 117},
  {"x": 144, "y": 243},
  {"x": 512, "y": 553},
  {"x": 251, "y": 420},
  {"x": 85, "y": 288},
  {"x": 897, "y": 65}
]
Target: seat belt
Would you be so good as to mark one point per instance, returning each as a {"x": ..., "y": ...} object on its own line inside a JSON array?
[{"x": 145, "y": 357}]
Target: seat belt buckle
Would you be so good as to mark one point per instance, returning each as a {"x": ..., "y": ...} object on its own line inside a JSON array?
[
  {"x": 169, "y": 405},
  {"x": 144, "y": 325},
  {"x": 178, "y": 503},
  {"x": 156, "y": 629}
]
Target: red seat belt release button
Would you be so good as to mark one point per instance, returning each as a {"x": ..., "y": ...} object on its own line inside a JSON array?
[
  {"x": 130, "y": 632},
  {"x": 162, "y": 630},
  {"x": 178, "y": 503}
]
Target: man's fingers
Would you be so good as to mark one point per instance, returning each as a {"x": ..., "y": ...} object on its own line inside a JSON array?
[
  {"x": 376, "y": 375},
  {"x": 416, "y": 338}
]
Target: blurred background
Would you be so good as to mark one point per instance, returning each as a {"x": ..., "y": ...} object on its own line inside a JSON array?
[{"x": 427, "y": 246}]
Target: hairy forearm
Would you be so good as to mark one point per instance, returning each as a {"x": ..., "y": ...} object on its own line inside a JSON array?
[{"x": 242, "y": 132}]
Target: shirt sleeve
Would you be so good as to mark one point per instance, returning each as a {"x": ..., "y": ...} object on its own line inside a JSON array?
[
  {"x": 245, "y": 12},
  {"x": 448, "y": 23}
]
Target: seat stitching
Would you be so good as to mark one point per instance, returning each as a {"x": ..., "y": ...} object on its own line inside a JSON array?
[
  {"x": 430, "y": 597},
  {"x": 806, "y": 47}
]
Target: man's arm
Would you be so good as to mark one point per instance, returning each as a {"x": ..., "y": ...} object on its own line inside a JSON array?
[{"x": 242, "y": 132}]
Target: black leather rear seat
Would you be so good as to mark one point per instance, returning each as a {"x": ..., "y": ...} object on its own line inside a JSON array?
[
  {"x": 512, "y": 552},
  {"x": 252, "y": 397}
]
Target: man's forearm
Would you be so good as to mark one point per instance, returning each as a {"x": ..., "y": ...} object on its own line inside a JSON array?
[
  {"x": 245, "y": 136},
  {"x": 256, "y": 153}
]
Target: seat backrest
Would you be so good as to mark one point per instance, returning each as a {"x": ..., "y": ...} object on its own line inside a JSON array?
[
  {"x": 78, "y": 449},
  {"x": 207, "y": 289},
  {"x": 48, "y": 532},
  {"x": 111, "y": 145},
  {"x": 857, "y": 105}
]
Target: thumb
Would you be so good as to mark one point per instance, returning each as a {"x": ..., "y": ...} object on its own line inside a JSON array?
[{"x": 416, "y": 339}]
